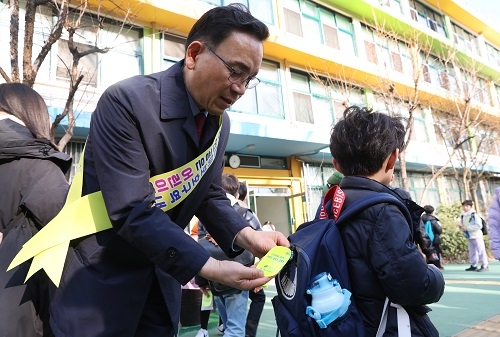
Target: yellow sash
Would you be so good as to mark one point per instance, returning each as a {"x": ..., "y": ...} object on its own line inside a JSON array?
[{"x": 87, "y": 215}]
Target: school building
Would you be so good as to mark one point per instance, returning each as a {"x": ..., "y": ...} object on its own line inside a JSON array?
[{"x": 438, "y": 59}]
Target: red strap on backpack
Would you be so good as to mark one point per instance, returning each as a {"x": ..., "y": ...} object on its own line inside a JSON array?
[{"x": 337, "y": 196}]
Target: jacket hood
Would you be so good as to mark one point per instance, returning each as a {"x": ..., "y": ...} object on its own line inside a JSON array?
[
  {"x": 426, "y": 217},
  {"x": 16, "y": 141}
]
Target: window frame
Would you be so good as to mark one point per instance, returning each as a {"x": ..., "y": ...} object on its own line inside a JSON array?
[
  {"x": 265, "y": 81},
  {"x": 318, "y": 15},
  {"x": 429, "y": 17}
]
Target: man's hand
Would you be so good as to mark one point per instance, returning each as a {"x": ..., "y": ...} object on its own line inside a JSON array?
[
  {"x": 205, "y": 290},
  {"x": 260, "y": 242},
  {"x": 233, "y": 274}
]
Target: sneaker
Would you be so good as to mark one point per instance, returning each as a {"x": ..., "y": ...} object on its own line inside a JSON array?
[
  {"x": 471, "y": 268},
  {"x": 202, "y": 333},
  {"x": 483, "y": 268},
  {"x": 221, "y": 329}
]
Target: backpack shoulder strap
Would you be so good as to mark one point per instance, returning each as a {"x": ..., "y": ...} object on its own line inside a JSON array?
[
  {"x": 370, "y": 200},
  {"x": 472, "y": 217},
  {"x": 240, "y": 209}
]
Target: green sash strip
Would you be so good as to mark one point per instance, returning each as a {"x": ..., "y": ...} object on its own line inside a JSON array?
[{"x": 87, "y": 215}]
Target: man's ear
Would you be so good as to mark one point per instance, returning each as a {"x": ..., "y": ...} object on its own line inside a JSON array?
[
  {"x": 192, "y": 51},
  {"x": 393, "y": 158}
]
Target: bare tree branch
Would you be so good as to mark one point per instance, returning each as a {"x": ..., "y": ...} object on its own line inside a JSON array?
[
  {"x": 5, "y": 76},
  {"x": 53, "y": 37}
]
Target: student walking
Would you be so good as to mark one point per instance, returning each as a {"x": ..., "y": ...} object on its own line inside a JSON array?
[{"x": 471, "y": 224}]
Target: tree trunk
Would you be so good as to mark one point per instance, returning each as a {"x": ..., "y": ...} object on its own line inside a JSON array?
[
  {"x": 29, "y": 30},
  {"x": 14, "y": 40},
  {"x": 404, "y": 176}
]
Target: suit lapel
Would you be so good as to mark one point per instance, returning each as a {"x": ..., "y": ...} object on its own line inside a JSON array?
[{"x": 175, "y": 102}]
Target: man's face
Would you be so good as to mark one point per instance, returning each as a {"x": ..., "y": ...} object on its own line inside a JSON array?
[
  {"x": 206, "y": 75},
  {"x": 466, "y": 208}
]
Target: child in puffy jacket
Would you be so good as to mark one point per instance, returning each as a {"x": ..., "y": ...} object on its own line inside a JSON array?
[
  {"x": 437, "y": 231},
  {"x": 494, "y": 223}
]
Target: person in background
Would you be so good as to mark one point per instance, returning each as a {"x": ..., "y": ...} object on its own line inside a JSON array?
[
  {"x": 242, "y": 194},
  {"x": 494, "y": 223},
  {"x": 383, "y": 262},
  {"x": 437, "y": 231},
  {"x": 231, "y": 302},
  {"x": 34, "y": 187},
  {"x": 420, "y": 238},
  {"x": 198, "y": 232},
  {"x": 257, "y": 296},
  {"x": 126, "y": 280},
  {"x": 471, "y": 224}
]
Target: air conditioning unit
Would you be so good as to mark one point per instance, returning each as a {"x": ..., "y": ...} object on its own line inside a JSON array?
[{"x": 249, "y": 161}]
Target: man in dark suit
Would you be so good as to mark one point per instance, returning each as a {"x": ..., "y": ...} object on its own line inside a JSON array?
[{"x": 126, "y": 281}]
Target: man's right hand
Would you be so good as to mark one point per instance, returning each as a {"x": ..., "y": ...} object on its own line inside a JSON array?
[{"x": 233, "y": 274}]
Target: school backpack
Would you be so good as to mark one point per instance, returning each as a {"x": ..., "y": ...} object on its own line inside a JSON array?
[
  {"x": 484, "y": 227},
  {"x": 318, "y": 258},
  {"x": 428, "y": 230}
]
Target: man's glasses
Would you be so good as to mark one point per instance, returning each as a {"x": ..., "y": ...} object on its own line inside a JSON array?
[{"x": 237, "y": 76}]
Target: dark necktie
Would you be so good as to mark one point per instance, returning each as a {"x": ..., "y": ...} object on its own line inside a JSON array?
[{"x": 200, "y": 121}]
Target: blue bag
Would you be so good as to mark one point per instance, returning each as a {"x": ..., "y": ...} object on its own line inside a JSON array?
[
  {"x": 428, "y": 230},
  {"x": 319, "y": 260}
]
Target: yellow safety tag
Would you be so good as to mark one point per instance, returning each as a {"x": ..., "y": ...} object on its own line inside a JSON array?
[
  {"x": 274, "y": 260},
  {"x": 206, "y": 301}
]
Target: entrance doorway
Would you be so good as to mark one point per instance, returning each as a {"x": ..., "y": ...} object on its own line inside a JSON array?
[{"x": 271, "y": 204}]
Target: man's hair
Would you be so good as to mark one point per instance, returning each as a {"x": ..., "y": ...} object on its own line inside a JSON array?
[
  {"x": 467, "y": 202},
  {"x": 242, "y": 191},
  {"x": 26, "y": 104},
  {"x": 230, "y": 184},
  {"x": 362, "y": 140},
  {"x": 428, "y": 209},
  {"x": 218, "y": 23}
]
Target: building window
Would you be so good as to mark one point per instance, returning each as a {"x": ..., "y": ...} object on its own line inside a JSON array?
[
  {"x": 261, "y": 9},
  {"x": 173, "y": 50},
  {"x": 124, "y": 60},
  {"x": 311, "y": 101},
  {"x": 87, "y": 65},
  {"x": 427, "y": 17},
  {"x": 482, "y": 92},
  {"x": 486, "y": 139},
  {"x": 493, "y": 54},
  {"x": 419, "y": 133},
  {"x": 266, "y": 99},
  {"x": 317, "y": 24},
  {"x": 417, "y": 186},
  {"x": 386, "y": 52},
  {"x": 475, "y": 88},
  {"x": 115, "y": 51},
  {"x": 438, "y": 73},
  {"x": 465, "y": 40},
  {"x": 320, "y": 101},
  {"x": 451, "y": 190}
]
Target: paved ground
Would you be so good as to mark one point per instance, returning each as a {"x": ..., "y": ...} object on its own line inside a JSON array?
[{"x": 470, "y": 306}]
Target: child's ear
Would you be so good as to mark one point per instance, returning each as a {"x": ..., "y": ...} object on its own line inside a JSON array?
[
  {"x": 337, "y": 166},
  {"x": 393, "y": 158}
]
